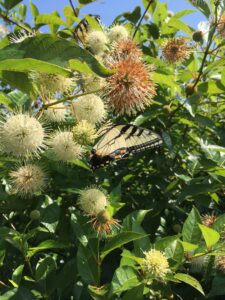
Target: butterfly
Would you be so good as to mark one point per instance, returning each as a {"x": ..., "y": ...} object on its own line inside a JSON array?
[
  {"x": 82, "y": 29},
  {"x": 118, "y": 141}
]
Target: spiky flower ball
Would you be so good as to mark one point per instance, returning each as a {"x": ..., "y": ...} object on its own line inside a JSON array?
[
  {"x": 64, "y": 147},
  {"x": 84, "y": 133},
  {"x": 48, "y": 84},
  {"x": 176, "y": 50},
  {"x": 92, "y": 83},
  {"x": 92, "y": 201},
  {"x": 103, "y": 223},
  {"x": 155, "y": 264},
  {"x": 220, "y": 263},
  {"x": 131, "y": 88},
  {"x": 209, "y": 220},
  {"x": 35, "y": 214},
  {"x": 55, "y": 113},
  {"x": 124, "y": 49},
  {"x": 28, "y": 180},
  {"x": 96, "y": 42},
  {"x": 22, "y": 135},
  {"x": 198, "y": 36},
  {"x": 221, "y": 26},
  {"x": 90, "y": 108},
  {"x": 118, "y": 32}
]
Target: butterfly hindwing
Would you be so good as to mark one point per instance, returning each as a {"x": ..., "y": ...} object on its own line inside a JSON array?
[{"x": 118, "y": 141}]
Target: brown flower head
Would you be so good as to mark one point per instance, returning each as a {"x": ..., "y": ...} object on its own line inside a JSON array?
[
  {"x": 131, "y": 88},
  {"x": 126, "y": 48},
  {"x": 209, "y": 220},
  {"x": 220, "y": 263},
  {"x": 176, "y": 50},
  {"x": 221, "y": 26},
  {"x": 103, "y": 223}
]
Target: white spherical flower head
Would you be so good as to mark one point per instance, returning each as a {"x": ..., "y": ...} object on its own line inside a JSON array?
[
  {"x": 92, "y": 201},
  {"x": 28, "y": 180},
  {"x": 48, "y": 84},
  {"x": 64, "y": 147},
  {"x": 22, "y": 135},
  {"x": 96, "y": 41},
  {"x": 55, "y": 113},
  {"x": 90, "y": 108},
  {"x": 155, "y": 264},
  {"x": 84, "y": 133},
  {"x": 117, "y": 33}
]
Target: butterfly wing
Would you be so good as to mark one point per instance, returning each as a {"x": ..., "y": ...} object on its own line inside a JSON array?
[
  {"x": 82, "y": 29},
  {"x": 119, "y": 141}
]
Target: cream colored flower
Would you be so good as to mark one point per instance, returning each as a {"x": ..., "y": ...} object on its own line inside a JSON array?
[
  {"x": 155, "y": 264},
  {"x": 118, "y": 32},
  {"x": 97, "y": 41},
  {"x": 90, "y": 108},
  {"x": 84, "y": 133},
  {"x": 92, "y": 201},
  {"x": 55, "y": 113},
  {"x": 64, "y": 147},
  {"x": 22, "y": 135},
  {"x": 48, "y": 84},
  {"x": 28, "y": 180}
]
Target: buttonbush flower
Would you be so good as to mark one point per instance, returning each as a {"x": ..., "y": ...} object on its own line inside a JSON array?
[
  {"x": 96, "y": 42},
  {"x": 155, "y": 264},
  {"x": 176, "y": 50}
]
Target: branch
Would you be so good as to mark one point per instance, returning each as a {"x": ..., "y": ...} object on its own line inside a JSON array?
[
  {"x": 70, "y": 98},
  {"x": 73, "y": 8},
  {"x": 139, "y": 23},
  {"x": 207, "y": 49},
  {"x": 7, "y": 19}
]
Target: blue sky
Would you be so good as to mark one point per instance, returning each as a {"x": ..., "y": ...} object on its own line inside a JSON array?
[{"x": 109, "y": 9}]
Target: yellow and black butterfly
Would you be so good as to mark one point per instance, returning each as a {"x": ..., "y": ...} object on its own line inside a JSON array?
[
  {"x": 82, "y": 28},
  {"x": 118, "y": 141}
]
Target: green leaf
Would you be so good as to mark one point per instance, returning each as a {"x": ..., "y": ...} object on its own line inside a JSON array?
[
  {"x": 34, "y": 9},
  {"x": 218, "y": 287},
  {"x": 44, "y": 267},
  {"x": 190, "y": 280},
  {"x": 124, "y": 279},
  {"x": 133, "y": 16},
  {"x": 49, "y": 19},
  {"x": 88, "y": 262},
  {"x": 17, "y": 274},
  {"x": 30, "y": 64},
  {"x": 179, "y": 25},
  {"x": 46, "y": 245},
  {"x": 53, "y": 50},
  {"x": 191, "y": 232},
  {"x": 119, "y": 240},
  {"x": 9, "y": 4},
  {"x": 4, "y": 99},
  {"x": 135, "y": 293},
  {"x": 219, "y": 224},
  {"x": 211, "y": 236},
  {"x": 86, "y": 1},
  {"x": 188, "y": 246},
  {"x": 202, "y": 6}
]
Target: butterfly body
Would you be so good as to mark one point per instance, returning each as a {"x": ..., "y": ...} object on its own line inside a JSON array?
[{"x": 118, "y": 141}]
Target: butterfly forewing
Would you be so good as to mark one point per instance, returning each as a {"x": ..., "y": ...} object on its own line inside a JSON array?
[{"x": 118, "y": 141}]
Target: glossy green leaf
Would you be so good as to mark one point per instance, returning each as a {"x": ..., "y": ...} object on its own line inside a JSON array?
[
  {"x": 210, "y": 235},
  {"x": 119, "y": 240},
  {"x": 191, "y": 232},
  {"x": 190, "y": 280}
]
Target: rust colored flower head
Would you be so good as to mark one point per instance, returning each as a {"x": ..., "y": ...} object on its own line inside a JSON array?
[
  {"x": 220, "y": 263},
  {"x": 209, "y": 220},
  {"x": 176, "y": 50},
  {"x": 126, "y": 48},
  {"x": 131, "y": 88},
  {"x": 221, "y": 26},
  {"x": 103, "y": 223}
]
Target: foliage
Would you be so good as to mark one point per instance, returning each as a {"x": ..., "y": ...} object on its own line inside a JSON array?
[{"x": 172, "y": 200}]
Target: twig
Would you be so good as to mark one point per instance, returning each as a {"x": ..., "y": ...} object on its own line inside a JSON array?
[
  {"x": 73, "y": 8},
  {"x": 207, "y": 50},
  {"x": 139, "y": 23},
  {"x": 7, "y": 19},
  {"x": 70, "y": 98}
]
